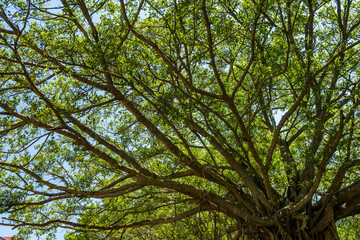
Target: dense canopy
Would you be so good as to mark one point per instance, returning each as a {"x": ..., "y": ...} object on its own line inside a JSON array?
[{"x": 203, "y": 119}]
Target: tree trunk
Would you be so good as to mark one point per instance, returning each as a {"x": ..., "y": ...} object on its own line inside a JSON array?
[{"x": 294, "y": 229}]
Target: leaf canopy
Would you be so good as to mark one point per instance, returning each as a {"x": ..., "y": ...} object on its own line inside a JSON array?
[{"x": 180, "y": 119}]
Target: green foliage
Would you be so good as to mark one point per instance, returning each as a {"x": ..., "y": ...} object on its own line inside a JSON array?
[{"x": 180, "y": 119}]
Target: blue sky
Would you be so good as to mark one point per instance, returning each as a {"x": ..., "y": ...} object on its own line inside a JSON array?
[{"x": 6, "y": 231}]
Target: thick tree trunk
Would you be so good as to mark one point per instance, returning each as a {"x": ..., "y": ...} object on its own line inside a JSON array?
[{"x": 293, "y": 230}]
